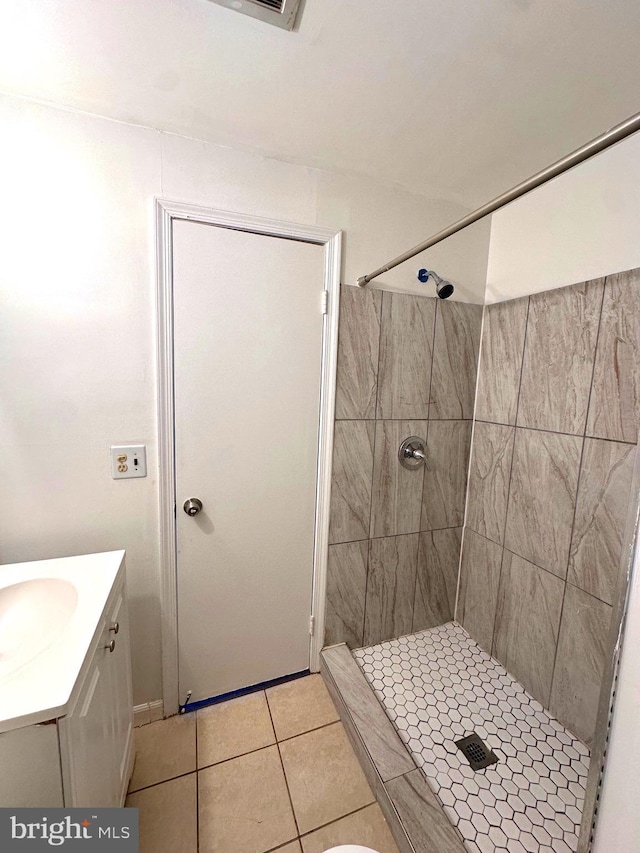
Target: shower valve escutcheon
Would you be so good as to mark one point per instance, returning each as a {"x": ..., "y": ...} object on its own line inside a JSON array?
[
  {"x": 412, "y": 452},
  {"x": 192, "y": 506}
]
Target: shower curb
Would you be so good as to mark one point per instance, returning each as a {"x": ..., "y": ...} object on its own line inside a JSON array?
[{"x": 415, "y": 817}]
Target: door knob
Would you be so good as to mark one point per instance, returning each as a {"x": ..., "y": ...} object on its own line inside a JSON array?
[{"x": 192, "y": 506}]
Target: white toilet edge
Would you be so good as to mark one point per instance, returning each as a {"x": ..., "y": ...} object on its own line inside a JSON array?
[{"x": 351, "y": 848}]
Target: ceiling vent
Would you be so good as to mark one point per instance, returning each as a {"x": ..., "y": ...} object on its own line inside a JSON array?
[{"x": 281, "y": 13}]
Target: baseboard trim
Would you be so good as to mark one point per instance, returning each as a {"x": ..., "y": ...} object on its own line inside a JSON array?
[{"x": 148, "y": 712}]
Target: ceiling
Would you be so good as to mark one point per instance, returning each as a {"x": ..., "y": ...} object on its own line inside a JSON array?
[{"x": 455, "y": 99}]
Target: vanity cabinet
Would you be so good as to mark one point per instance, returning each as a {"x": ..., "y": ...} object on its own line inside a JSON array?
[
  {"x": 84, "y": 757},
  {"x": 96, "y": 745}
]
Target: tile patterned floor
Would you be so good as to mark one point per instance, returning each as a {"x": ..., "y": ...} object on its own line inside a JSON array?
[
  {"x": 438, "y": 686},
  {"x": 269, "y": 771}
]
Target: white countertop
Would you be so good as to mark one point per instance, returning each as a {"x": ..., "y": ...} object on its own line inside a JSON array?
[{"x": 41, "y": 689}]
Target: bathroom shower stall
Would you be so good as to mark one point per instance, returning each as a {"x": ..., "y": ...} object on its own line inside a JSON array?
[{"x": 471, "y": 601}]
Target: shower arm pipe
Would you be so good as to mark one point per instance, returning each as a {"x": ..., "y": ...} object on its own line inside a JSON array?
[{"x": 600, "y": 143}]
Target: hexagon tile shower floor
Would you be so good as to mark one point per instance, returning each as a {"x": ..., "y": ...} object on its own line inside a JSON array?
[{"x": 438, "y": 686}]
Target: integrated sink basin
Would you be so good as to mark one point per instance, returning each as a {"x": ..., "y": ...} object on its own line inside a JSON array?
[
  {"x": 51, "y": 623},
  {"x": 33, "y": 614}
]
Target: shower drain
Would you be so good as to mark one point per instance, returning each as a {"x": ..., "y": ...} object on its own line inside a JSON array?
[{"x": 476, "y": 752}]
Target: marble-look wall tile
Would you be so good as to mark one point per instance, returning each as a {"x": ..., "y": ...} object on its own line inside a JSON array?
[
  {"x": 479, "y": 579},
  {"x": 351, "y": 480},
  {"x": 614, "y": 410},
  {"x": 582, "y": 652},
  {"x": 560, "y": 363},
  {"x": 562, "y": 330},
  {"x": 528, "y": 623},
  {"x": 406, "y": 344},
  {"x": 489, "y": 475},
  {"x": 346, "y": 590},
  {"x": 358, "y": 342},
  {"x": 373, "y": 736},
  {"x": 503, "y": 336},
  {"x": 604, "y": 492},
  {"x": 437, "y": 577},
  {"x": 390, "y": 588},
  {"x": 445, "y": 474},
  {"x": 396, "y": 491},
  {"x": 544, "y": 480},
  {"x": 455, "y": 360},
  {"x": 426, "y": 822}
]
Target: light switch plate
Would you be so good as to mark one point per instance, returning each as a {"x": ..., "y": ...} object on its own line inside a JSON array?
[{"x": 128, "y": 460}]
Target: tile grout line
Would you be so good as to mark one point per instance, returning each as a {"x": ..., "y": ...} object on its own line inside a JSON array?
[
  {"x": 266, "y": 746},
  {"x": 471, "y": 440},
  {"x": 415, "y": 584},
  {"x": 513, "y": 455},
  {"x": 337, "y": 819},
  {"x": 244, "y": 754},
  {"x": 417, "y": 552},
  {"x": 373, "y": 466},
  {"x": 488, "y": 421},
  {"x": 424, "y": 471},
  {"x": 233, "y": 757},
  {"x": 412, "y": 418},
  {"x": 375, "y": 408},
  {"x": 276, "y": 743},
  {"x": 542, "y": 568},
  {"x": 559, "y": 432},
  {"x": 575, "y": 500},
  {"x": 323, "y": 825},
  {"x": 284, "y": 773},
  {"x": 410, "y": 533},
  {"x": 162, "y": 782},
  {"x": 240, "y": 755},
  {"x": 429, "y": 418}
]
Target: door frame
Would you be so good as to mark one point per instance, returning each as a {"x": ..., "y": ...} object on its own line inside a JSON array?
[{"x": 167, "y": 211}]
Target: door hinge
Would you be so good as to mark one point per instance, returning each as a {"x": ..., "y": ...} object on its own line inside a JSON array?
[
  {"x": 312, "y": 625},
  {"x": 325, "y": 301}
]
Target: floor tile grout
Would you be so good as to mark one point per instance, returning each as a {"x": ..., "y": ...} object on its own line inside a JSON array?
[
  {"x": 284, "y": 772},
  {"x": 308, "y": 731},
  {"x": 161, "y": 782},
  {"x": 322, "y": 826},
  {"x": 233, "y": 757},
  {"x": 338, "y": 819},
  {"x": 198, "y": 769},
  {"x": 196, "y": 744}
]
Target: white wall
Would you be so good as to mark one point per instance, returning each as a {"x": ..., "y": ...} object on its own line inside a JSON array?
[
  {"x": 618, "y": 827},
  {"x": 77, "y": 278},
  {"x": 379, "y": 222},
  {"x": 76, "y": 349},
  {"x": 583, "y": 224}
]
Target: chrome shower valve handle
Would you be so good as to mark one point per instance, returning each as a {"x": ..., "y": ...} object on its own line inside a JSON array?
[{"x": 412, "y": 453}]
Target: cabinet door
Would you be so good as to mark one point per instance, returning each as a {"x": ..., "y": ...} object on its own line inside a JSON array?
[
  {"x": 119, "y": 664},
  {"x": 30, "y": 768},
  {"x": 87, "y": 738}
]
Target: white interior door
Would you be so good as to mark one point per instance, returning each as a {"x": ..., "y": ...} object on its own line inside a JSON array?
[{"x": 247, "y": 362}]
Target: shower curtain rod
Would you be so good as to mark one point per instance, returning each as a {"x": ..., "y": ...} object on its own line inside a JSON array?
[{"x": 600, "y": 143}]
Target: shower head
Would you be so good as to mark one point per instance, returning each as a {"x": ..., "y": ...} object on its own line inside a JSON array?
[{"x": 444, "y": 289}]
